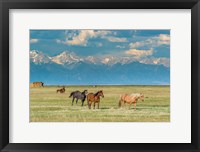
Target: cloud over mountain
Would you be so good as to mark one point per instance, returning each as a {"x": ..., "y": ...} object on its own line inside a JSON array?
[
  {"x": 161, "y": 39},
  {"x": 84, "y": 35},
  {"x": 139, "y": 53}
]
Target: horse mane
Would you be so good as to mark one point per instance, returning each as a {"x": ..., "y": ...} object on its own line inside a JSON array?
[
  {"x": 84, "y": 91},
  {"x": 96, "y": 93}
]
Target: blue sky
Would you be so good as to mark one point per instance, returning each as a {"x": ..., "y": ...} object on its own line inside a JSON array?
[{"x": 142, "y": 45}]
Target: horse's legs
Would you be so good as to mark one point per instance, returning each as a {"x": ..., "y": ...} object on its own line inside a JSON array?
[
  {"x": 72, "y": 101},
  {"x": 130, "y": 105},
  {"x": 98, "y": 105},
  {"x": 135, "y": 105},
  {"x": 120, "y": 104},
  {"x": 94, "y": 105},
  {"x": 76, "y": 100},
  {"x": 89, "y": 104},
  {"x": 123, "y": 103},
  {"x": 82, "y": 102}
]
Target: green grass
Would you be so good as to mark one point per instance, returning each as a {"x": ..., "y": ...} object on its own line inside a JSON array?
[{"x": 48, "y": 106}]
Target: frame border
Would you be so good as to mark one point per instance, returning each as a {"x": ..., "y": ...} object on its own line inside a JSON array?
[{"x": 5, "y": 5}]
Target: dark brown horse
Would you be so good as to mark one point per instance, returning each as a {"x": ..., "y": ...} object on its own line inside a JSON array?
[
  {"x": 62, "y": 90},
  {"x": 94, "y": 97}
]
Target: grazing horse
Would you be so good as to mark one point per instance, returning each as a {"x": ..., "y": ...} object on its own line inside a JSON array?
[
  {"x": 78, "y": 95},
  {"x": 91, "y": 97},
  {"x": 62, "y": 90},
  {"x": 130, "y": 98}
]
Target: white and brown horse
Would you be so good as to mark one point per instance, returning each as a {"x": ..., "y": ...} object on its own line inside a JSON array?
[{"x": 130, "y": 98}]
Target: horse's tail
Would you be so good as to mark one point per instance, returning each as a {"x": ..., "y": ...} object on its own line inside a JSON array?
[
  {"x": 121, "y": 99},
  {"x": 71, "y": 94},
  {"x": 87, "y": 99}
]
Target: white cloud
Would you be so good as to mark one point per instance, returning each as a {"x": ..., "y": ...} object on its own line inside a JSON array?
[
  {"x": 58, "y": 41},
  {"x": 84, "y": 35},
  {"x": 99, "y": 44},
  {"x": 116, "y": 39},
  {"x": 139, "y": 53},
  {"x": 162, "y": 39},
  {"x": 136, "y": 44},
  {"x": 120, "y": 46},
  {"x": 81, "y": 37},
  {"x": 34, "y": 40}
]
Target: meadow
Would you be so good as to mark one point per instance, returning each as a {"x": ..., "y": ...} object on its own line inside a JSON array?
[{"x": 48, "y": 106}]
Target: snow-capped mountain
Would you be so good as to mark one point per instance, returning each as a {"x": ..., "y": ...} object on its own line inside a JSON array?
[
  {"x": 65, "y": 58},
  {"x": 109, "y": 60},
  {"x": 92, "y": 59},
  {"x": 158, "y": 61},
  {"x": 38, "y": 57},
  {"x": 68, "y": 68}
]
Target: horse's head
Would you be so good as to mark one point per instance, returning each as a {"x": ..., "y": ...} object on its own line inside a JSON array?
[
  {"x": 85, "y": 91},
  {"x": 142, "y": 96},
  {"x": 100, "y": 93}
]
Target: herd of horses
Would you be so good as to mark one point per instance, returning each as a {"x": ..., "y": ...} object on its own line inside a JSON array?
[{"x": 94, "y": 98}]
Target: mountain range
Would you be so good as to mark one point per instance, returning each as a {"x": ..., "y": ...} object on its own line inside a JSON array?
[{"x": 69, "y": 69}]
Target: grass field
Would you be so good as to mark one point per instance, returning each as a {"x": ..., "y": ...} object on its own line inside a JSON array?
[{"x": 48, "y": 106}]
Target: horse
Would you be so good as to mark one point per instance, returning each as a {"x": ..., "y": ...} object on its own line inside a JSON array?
[
  {"x": 37, "y": 84},
  {"x": 78, "y": 95},
  {"x": 130, "y": 98},
  {"x": 91, "y": 97},
  {"x": 140, "y": 95},
  {"x": 62, "y": 90}
]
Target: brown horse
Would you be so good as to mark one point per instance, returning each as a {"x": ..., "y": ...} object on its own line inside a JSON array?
[
  {"x": 62, "y": 90},
  {"x": 130, "y": 98},
  {"x": 37, "y": 84},
  {"x": 91, "y": 97}
]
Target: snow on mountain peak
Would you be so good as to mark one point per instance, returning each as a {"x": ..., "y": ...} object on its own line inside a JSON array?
[
  {"x": 38, "y": 57},
  {"x": 157, "y": 61},
  {"x": 65, "y": 57},
  {"x": 105, "y": 60}
]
